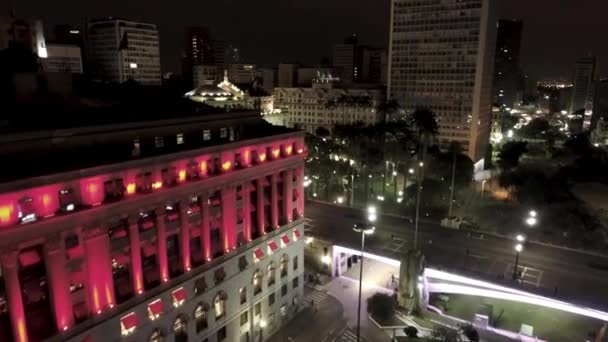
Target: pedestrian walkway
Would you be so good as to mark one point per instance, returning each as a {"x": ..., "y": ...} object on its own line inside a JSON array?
[
  {"x": 348, "y": 335},
  {"x": 314, "y": 295}
]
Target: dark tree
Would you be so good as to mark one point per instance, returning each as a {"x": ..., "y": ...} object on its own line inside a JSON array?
[
  {"x": 508, "y": 157},
  {"x": 322, "y": 132},
  {"x": 470, "y": 333},
  {"x": 411, "y": 332},
  {"x": 381, "y": 306}
]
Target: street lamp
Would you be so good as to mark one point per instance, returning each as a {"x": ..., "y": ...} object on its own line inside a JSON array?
[
  {"x": 262, "y": 326},
  {"x": 520, "y": 238},
  {"x": 518, "y": 248},
  {"x": 371, "y": 213},
  {"x": 364, "y": 229}
]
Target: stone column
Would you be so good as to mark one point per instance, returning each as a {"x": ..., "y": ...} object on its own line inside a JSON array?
[
  {"x": 300, "y": 190},
  {"x": 288, "y": 195},
  {"x": 205, "y": 226},
  {"x": 59, "y": 283},
  {"x": 229, "y": 218},
  {"x": 10, "y": 273},
  {"x": 136, "y": 266},
  {"x": 246, "y": 209},
  {"x": 100, "y": 285},
  {"x": 185, "y": 235},
  {"x": 274, "y": 201},
  {"x": 161, "y": 251},
  {"x": 260, "y": 205}
]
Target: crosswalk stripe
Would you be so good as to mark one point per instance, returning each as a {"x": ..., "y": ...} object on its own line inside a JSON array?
[
  {"x": 316, "y": 296},
  {"x": 347, "y": 336}
]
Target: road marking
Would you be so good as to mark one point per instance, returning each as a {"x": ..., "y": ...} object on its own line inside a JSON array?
[
  {"x": 528, "y": 275},
  {"x": 317, "y": 296},
  {"x": 348, "y": 335}
]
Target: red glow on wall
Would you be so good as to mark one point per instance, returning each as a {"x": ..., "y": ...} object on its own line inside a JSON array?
[
  {"x": 203, "y": 166},
  {"x": 300, "y": 150},
  {"x": 181, "y": 175},
  {"x": 288, "y": 150},
  {"x": 262, "y": 157},
  {"x": 91, "y": 190},
  {"x": 6, "y": 213},
  {"x": 157, "y": 185},
  {"x": 226, "y": 165},
  {"x": 246, "y": 157},
  {"x": 131, "y": 188},
  {"x": 21, "y": 337},
  {"x": 275, "y": 152}
]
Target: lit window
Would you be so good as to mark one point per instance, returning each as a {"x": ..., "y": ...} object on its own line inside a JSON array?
[
  {"x": 128, "y": 324},
  {"x": 219, "y": 305},
  {"x": 270, "y": 273},
  {"x": 179, "y": 296},
  {"x": 180, "y": 138},
  {"x": 180, "y": 329},
  {"x": 206, "y": 135},
  {"x": 67, "y": 200},
  {"x": 136, "y": 148},
  {"x": 159, "y": 142},
  {"x": 155, "y": 309},
  {"x": 257, "y": 282},
  {"x": 157, "y": 336},
  {"x": 26, "y": 211},
  {"x": 200, "y": 317},
  {"x": 223, "y": 132},
  {"x": 244, "y": 318},
  {"x": 284, "y": 265}
]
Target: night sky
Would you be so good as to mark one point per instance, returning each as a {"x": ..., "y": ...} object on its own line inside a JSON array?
[{"x": 556, "y": 32}]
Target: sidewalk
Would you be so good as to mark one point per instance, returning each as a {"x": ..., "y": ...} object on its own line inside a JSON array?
[{"x": 313, "y": 326}]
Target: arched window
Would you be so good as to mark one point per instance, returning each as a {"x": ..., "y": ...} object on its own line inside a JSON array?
[
  {"x": 257, "y": 282},
  {"x": 157, "y": 336},
  {"x": 284, "y": 266},
  {"x": 270, "y": 273},
  {"x": 219, "y": 305},
  {"x": 180, "y": 329},
  {"x": 200, "y": 317}
]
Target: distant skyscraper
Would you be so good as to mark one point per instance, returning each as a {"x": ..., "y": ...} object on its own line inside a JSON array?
[
  {"x": 119, "y": 50},
  {"x": 68, "y": 35},
  {"x": 600, "y": 102},
  {"x": 197, "y": 51},
  {"x": 441, "y": 57},
  {"x": 373, "y": 65},
  {"x": 582, "y": 91},
  {"x": 508, "y": 87},
  {"x": 344, "y": 58},
  {"x": 287, "y": 75}
]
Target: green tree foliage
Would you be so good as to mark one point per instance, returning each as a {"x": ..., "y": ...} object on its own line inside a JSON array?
[
  {"x": 510, "y": 153},
  {"x": 381, "y": 306},
  {"x": 535, "y": 129}
]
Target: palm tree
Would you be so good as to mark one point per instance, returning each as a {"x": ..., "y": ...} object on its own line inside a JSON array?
[{"x": 389, "y": 109}]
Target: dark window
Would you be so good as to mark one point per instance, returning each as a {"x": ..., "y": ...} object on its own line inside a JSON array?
[
  {"x": 244, "y": 318},
  {"x": 258, "y": 309},
  {"x": 242, "y": 263},
  {"x": 221, "y": 334},
  {"x": 159, "y": 142},
  {"x": 295, "y": 263},
  {"x": 296, "y": 282},
  {"x": 67, "y": 200},
  {"x": 223, "y": 132},
  {"x": 271, "y": 299},
  {"x": 243, "y": 295},
  {"x": 200, "y": 286},
  {"x": 26, "y": 210},
  {"x": 284, "y": 290},
  {"x": 219, "y": 275}
]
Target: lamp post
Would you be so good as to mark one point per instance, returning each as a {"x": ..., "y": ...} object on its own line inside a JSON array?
[
  {"x": 262, "y": 326},
  {"x": 364, "y": 229},
  {"x": 532, "y": 218},
  {"x": 418, "y": 194},
  {"x": 518, "y": 248}
]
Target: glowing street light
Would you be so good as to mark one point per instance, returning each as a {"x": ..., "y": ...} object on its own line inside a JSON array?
[
  {"x": 371, "y": 214},
  {"x": 531, "y": 221},
  {"x": 520, "y": 238},
  {"x": 518, "y": 248},
  {"x": 364, "y": 229},
  {"x": 411, "y": 171},
  {"x": 532, "y": 213}
]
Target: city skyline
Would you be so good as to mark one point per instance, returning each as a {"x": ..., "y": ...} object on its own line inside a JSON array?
[{"x": 543, "y": 37}]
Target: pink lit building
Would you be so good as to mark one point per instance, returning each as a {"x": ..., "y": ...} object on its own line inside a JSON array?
[{"x": 180, "y": 228}]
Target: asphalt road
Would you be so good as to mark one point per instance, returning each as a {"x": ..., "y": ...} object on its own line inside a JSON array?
[{"x": 554, "y": 272}]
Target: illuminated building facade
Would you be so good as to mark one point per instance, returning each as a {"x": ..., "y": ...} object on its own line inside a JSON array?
[
  {"x": 441, "y": 57},
  {"x": 179, "y": 229}
]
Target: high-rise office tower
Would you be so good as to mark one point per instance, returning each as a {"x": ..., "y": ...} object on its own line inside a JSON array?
[
  {"x": 582, "y": 91},
  {"x": 197, "y": 50},
  {"x": 119, "y": 50},
  {"x": 345, "y": 59},
  {"x": 508, "y": 86},
  {"x": 441, "y": 57}
]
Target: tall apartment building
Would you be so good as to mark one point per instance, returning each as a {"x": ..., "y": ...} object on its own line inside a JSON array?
[
  {"x": 176, "y": 226},
  {"x": 344, "y": 59},
  {"x": 63, "y": 58},
  {"x": 508, "y": 84},
  {"x": 583, "y": 83},
  {"x": 198, "y": 50},
  {"x": 441, "y": 57},
  {"x": 287, "y": 75},
  {"x": 325, "y": 105},
  {"x": 119, "y": 50},
  {"x": 374, "y": 65}
]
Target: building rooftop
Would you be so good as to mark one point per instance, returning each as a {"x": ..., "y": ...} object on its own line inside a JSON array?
[{"x": 51, "y": 137}]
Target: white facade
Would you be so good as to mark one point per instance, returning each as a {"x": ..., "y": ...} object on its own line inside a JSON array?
[
  {"x": 307, "y": 108},
  {"x": 63, "y": 58},
  {"x": 120, "y": 50},
  {"x": 274, "y": 305},
  {"x": 441, "y": 57}
]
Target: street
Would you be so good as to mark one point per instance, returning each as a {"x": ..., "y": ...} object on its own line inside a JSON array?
[{"x": 549, "y": 271}]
